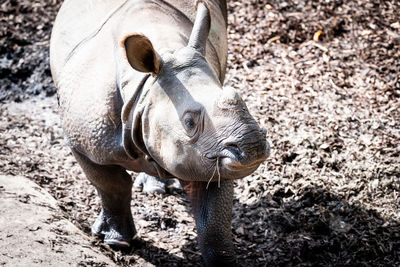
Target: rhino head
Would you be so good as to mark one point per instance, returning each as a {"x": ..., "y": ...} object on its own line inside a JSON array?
[{"x": 190, "y": 126}]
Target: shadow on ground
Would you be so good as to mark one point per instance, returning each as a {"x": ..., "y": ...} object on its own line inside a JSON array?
[{"x": 312, "y": 228}]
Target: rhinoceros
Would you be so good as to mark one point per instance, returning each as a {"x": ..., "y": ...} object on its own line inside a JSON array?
[{"x": 140, "y": 89}]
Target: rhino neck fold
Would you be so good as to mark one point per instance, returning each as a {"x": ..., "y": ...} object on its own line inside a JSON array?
[{"x": 131, "y": 117}]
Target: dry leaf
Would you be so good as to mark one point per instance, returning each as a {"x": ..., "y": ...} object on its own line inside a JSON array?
[{"x": 317, "y": 35}]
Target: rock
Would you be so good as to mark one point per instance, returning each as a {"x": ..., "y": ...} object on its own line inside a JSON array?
[{"x": 33, "y": 230}]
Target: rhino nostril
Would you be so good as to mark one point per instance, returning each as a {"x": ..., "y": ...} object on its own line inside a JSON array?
[
  {"x": 230, "y": 144},
  {"x": 234, "y": 149}
]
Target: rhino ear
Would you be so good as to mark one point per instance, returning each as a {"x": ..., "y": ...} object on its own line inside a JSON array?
[
  {"x": 201, "y": 28},
  {"x": 141, "y": 54}
]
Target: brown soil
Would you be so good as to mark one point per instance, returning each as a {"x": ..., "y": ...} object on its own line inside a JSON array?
[{"x": 329, "y": 193}]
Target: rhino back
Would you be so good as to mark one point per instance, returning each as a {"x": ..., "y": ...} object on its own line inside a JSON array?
[
  {"x": 76, "y": 20},
  {"x": 80, "y": 21}
]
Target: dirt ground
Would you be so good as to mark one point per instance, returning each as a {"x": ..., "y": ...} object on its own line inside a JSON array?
[{"x": 323, "y": 78}]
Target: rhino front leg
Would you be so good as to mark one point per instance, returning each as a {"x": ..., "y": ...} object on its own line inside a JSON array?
[
  {"x": 212, "y": 208},
  {"x": 113, "y": 185}
]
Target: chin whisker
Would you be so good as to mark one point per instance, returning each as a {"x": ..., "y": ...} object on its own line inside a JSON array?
[{"x": 219, "y": 176}]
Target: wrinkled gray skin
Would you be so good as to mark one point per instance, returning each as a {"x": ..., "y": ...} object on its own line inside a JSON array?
[{"x": 140, "y": 89}]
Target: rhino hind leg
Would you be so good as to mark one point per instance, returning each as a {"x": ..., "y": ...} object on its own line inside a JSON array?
[
  {"x": 113, "y": 184},
  {"x": 152, "y": 184}
]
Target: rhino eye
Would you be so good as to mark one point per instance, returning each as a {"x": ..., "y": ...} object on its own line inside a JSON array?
[{"x": 190, "y": 122}]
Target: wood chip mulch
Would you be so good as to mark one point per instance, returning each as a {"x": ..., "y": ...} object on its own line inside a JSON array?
[{"x": 321, "y": 76}]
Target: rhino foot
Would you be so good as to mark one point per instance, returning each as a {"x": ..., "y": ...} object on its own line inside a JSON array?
[
  {"x": 152, "y": 184},
  {"x": 118, "y": 230}
]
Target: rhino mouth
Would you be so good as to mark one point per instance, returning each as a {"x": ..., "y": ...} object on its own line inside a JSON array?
[
  {"x": 233, "y": 159},
  {"x": 231, "y": 152}
]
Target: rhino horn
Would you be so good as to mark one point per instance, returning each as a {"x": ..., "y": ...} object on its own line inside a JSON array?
[{"x": 201, "y": 28}]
